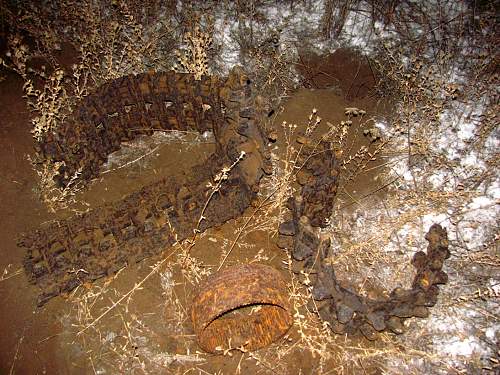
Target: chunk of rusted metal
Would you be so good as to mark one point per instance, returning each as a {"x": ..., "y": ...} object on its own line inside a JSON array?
[
  {"x": 243, "y": 307},
  {"x": 346, "y": 311}
]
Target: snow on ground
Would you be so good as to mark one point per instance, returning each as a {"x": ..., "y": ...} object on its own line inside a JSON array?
[
  {"x": 472, "y": 222},
  {"x": 281, "y": 26}
]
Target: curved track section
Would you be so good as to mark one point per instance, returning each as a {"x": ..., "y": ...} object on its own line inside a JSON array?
[
  {"x": 67, "y": 253},
  {"x": 124, "y": 108},
  {"x": 345, "y": 310}
]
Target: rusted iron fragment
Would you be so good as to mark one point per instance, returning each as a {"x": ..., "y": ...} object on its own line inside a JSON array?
[
  {"x": 319, "y": 180},
  {"x": 62, "y": 255},
  {"x": 348, "y": 312},
  {"x": 345, "y": 310},
  {"x": 243, "y": 307},
  {"x": 313, "y": 207},
  {"x": 124, "y": 108}
]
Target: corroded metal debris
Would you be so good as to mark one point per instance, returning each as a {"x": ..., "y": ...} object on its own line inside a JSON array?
[
  {"x": 313, "y": 206},
  {"x": 243, "y": 307},
  {"x": 124, "y": 108},
  {"x": 345, "y": 310},
  {"x": 67, "y": 253},
  {"x": 64, "y": 254},
  {"x": 348, "y": 312}
]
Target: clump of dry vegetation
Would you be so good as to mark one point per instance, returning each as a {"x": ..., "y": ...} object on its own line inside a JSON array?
[
  {"x": 194, "y": 59},
  {"x": 435, "y": 155},
  {"x": 427, "y": 60}
]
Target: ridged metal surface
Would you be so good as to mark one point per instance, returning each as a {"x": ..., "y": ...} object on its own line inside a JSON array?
[
  {"x": 244, "y": 307},
  {"x": 64, "y": 254}
]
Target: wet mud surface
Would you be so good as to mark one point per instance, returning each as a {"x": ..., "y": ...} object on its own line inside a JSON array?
[{"x": 21, "y": 328}]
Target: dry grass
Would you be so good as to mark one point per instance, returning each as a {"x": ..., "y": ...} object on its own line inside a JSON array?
[
  {"x": 435, "y": 96},
  {"x": 193, "y": 59},
  {"x": 119, "y": 335}
]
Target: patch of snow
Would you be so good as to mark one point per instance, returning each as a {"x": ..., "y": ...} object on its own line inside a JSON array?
[
  {"x": 460, "y": 347},
  {"x": 166, "y": 359},
  {"x": 433, "y": 218},
  {"x": 282, "y": 27},
  {"x": 475, "y": 213},
  {"x": 454, "y": 336},
  {"x": 357, "y": 30},
  {"x": 492, "y": 332},
  {"x": 480, "y": 203},
  {"x": 224, "y": 37}
]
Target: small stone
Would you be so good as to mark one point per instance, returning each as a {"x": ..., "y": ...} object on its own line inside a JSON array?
[
  {"x": 287, "y": 228},
  {"x": 183, "y": 193},
  {"x": 395, "y": 325},
  {"x": 296, "y": 267}
]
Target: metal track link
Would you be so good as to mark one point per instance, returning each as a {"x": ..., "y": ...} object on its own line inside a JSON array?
[
  {"x": 345, "y": 310},
  {"x": 67, "y": 253}
]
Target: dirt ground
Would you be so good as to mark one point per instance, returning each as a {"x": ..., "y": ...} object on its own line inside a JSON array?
[{"x": 150, "y": 332}]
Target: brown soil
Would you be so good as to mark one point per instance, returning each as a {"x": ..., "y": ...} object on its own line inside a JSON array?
[
  {"x": 43, "y": 340},
  {"x": 22, "y": 329},
  {"x": 344, "y": 69}
]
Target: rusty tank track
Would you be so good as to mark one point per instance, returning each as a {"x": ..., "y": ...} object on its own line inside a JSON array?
[
  {"x": 64, "y": 254},
  {"x": 124, "y": 108},
  {"x": 346, "y": 311}
]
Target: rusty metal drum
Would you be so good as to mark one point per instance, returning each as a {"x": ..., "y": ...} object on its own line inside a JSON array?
[{"x": 244, "y": 307}]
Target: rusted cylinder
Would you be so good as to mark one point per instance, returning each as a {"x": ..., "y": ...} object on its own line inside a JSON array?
[{"x": 243, "y": 307}]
